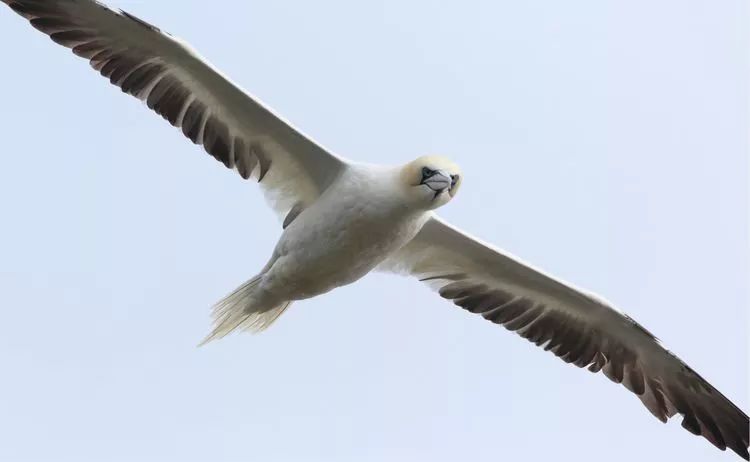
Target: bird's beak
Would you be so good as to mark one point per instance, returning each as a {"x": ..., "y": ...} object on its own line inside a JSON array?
[{"x": 438, "y": 182}]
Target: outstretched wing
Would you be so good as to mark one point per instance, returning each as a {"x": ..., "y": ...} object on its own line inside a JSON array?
[
  {"x": 175, "y": 82},
  {"x": 577, "y": 327}
]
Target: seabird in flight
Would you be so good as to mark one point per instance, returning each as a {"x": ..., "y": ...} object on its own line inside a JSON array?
[{"x": 344, "y": 219}]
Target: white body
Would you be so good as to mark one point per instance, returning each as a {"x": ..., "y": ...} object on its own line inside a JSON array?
[{"x": 356, "y": 224}]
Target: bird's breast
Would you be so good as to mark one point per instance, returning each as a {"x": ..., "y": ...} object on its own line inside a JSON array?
[{"x": 339, "y": 239}]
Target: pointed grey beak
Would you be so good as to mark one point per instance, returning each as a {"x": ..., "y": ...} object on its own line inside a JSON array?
[{"x": 438, "y": 182}]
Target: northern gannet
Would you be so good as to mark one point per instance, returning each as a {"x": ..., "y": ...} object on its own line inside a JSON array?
[{"x": 344, "y": 219}]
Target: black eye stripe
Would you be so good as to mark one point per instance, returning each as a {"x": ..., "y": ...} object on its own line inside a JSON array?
[{"x": 427, "y": 172}]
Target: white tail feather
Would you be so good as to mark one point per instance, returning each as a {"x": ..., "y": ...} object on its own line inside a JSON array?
[{"x": 236, "y": 312}]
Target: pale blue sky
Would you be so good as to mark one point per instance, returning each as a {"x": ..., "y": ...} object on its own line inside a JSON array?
[{"x": 604, "y": 141}]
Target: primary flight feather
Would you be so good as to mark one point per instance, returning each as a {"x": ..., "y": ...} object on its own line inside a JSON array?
[{"x": 343, "y": 220}]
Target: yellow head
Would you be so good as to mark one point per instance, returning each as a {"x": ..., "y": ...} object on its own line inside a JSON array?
[{"x": 431, "y": 181}]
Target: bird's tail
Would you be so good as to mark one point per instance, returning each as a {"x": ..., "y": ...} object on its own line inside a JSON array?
[{"x": 238, "y": 311}]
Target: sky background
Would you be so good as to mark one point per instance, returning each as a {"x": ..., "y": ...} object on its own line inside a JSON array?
[{"x": 604, "y": 141}]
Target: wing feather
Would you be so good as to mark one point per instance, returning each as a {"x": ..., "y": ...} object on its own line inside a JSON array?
[
  {"x": 577, "y": 327},
  {"x": 176, "y": 83}
]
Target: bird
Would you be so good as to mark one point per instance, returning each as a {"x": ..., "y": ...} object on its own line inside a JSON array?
[{"x": 344, "y": 219}]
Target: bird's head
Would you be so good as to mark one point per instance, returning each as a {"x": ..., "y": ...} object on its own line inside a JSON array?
[{"x": 431, "y": 181}]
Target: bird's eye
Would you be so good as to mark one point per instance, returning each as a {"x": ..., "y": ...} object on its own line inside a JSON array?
[
  {"x": 427, "y": 172},
  {"x": 454, "y": 180}
]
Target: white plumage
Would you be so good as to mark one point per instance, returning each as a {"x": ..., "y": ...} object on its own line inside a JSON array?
[{"x": 343, "y": 220}]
